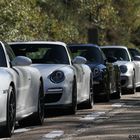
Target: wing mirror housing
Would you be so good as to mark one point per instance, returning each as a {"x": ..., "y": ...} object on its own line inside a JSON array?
[
  {"x": 79, "y": 60},
  {"x": 111, "y": 59},
  {"x": 21, "y": 61}
]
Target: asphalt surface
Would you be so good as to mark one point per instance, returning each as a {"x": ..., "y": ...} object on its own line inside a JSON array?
[{"x": 117, "y": 119}]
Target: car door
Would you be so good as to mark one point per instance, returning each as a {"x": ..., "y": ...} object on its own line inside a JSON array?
[
  {"x": 23, "y": 83},
  {"x": 82, "y": 82}
]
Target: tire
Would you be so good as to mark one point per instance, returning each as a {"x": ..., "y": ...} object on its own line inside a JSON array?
[
  {"x": 89, "y": 104},
  {"x": 8, "y": 129},
  {"x": 117, "y": 94},
  {"x": 73, "y": 108},
  {"x": 106, "y": 97},
  {"x": 133, "y": 89},
  {"x": 38, "y": 117}
]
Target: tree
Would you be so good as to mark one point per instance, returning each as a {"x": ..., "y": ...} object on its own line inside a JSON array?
[{"x": 20, "y": 20}]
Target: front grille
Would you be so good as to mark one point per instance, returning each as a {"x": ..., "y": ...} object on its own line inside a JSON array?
[
  {"x": 98, "y": 88},
  {"x": 50, "y": 98},
  {"x": 123, "y": 82},
  {"x": 53, "y": 95}
]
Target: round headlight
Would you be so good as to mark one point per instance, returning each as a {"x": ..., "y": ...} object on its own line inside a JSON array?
[
  {"x": 57, "y": 77},
  {"x": 96, "y": 71},
  {"x": 123, "y": 68}
]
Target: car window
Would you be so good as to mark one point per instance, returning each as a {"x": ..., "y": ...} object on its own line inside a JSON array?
[
  {"x": 134, "y": 52},
  {"x": 120, "y": 53},
  {"x": 10, "y": 52},
  {"x": 42, "y": 53},
  {"x": 92, "y": 54},
  {"x": 3, "y": 62}
]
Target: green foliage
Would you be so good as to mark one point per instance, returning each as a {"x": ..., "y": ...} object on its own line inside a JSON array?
[
  {"x": 20, "y": 20},
  {"x": 118, "y": 21}
]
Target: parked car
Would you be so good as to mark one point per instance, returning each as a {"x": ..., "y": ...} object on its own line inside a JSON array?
[
  {"x": 130, "y": 71},
  {"x": 67, "y": 82},
  {"x": 21, "y": 92},
  {"x": 135, "y": 53},
  {"x": 106, "y": 76}
]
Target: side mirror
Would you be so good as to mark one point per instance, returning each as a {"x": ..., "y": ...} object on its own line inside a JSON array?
[
  {"x": 21, "y": 61},
  {"x": 111, "y": 59},
  {"x": 79, "y": 60},
  {"x": 136, "y": 58}
]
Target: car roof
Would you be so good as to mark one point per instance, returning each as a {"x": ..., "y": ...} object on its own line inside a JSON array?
[
  {"x": 123, "y": 47},
  {"x": 83, "y": 45},
  {"x": 39, "y": 42}
]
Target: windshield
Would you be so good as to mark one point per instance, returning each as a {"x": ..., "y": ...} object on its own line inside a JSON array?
[
  {"x": 42, "y": 53},
  {"x": 120, "y": 53},
  {"x": 134, "y": 52},
  {"x": 92, "y": 54}
]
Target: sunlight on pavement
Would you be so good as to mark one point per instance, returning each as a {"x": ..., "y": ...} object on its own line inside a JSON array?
[{"x": 53, "y": 134}]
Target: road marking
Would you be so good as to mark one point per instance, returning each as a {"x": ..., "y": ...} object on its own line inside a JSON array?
[
  {"x": 117, "y": 105},
  {"x": 21, "y": 130},
  {"x": 92, "y": 116},
  {"x": 53, "y": 134}
]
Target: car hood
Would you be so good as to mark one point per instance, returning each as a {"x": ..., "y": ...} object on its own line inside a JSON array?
[
  {"x": 47, "y": 69},
  {"x": 119, "y": 63},
  {"x": 93, "y": 65}
]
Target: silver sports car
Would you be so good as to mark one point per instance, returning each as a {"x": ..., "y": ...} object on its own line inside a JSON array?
[
  {"x": 67, "y": 82},
  {"x": 21, "y": 92},
  {"x": 130, "y": 70}
]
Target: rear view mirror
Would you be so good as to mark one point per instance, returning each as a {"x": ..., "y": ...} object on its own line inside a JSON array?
[
  {"x": 21, "y": 61},
  {"x": 79, "y": 60},
  {"x": 111, "y": 59}
]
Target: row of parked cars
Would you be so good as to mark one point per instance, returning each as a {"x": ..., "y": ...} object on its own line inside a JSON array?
[{"x": 41, "y": 74}]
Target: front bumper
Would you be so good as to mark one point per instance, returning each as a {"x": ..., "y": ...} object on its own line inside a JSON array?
[
  {"x": 58, "y": 95},
  {"x": 99, "y": 88},
  {"x": 53, "y": 95},
  {"x": 126, "y": 81}
]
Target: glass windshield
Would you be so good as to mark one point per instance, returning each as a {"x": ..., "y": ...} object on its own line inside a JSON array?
[
  {"x": 120, "y": 53},
  {"x": 42, "y": 53},
  {"x": 92, "y": 54},
  {"x": 134, "y": 52}
]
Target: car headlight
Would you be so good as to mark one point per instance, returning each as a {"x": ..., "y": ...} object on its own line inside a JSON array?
[
  {"x": 123, "y": 68},
  {"x": 57, "y": 76},
  {"x": 96, "y": 71}
]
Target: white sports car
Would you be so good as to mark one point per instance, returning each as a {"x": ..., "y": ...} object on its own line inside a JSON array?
[
  {"x": 21, "y": 91},
  {"x": 67, "y": 82},
  {"x": 130, "y": 70}
]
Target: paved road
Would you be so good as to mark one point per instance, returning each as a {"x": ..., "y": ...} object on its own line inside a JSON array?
[{"x": 118, "y": 119}]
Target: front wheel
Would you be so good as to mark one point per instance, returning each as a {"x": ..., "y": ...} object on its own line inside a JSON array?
[
  {"x": 8, "y": 129},
  {"x": 90, "y": 102},
  {"x": 133, "y": 89},
  {"x": 73, "y": 108},
  {"x": 117, "y": 94},
  {"x": 106, "y": 96},
  {"x": 39, "y": 115}
]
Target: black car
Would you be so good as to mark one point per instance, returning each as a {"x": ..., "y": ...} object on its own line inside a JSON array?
[{"x": 106, "y": 75}]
